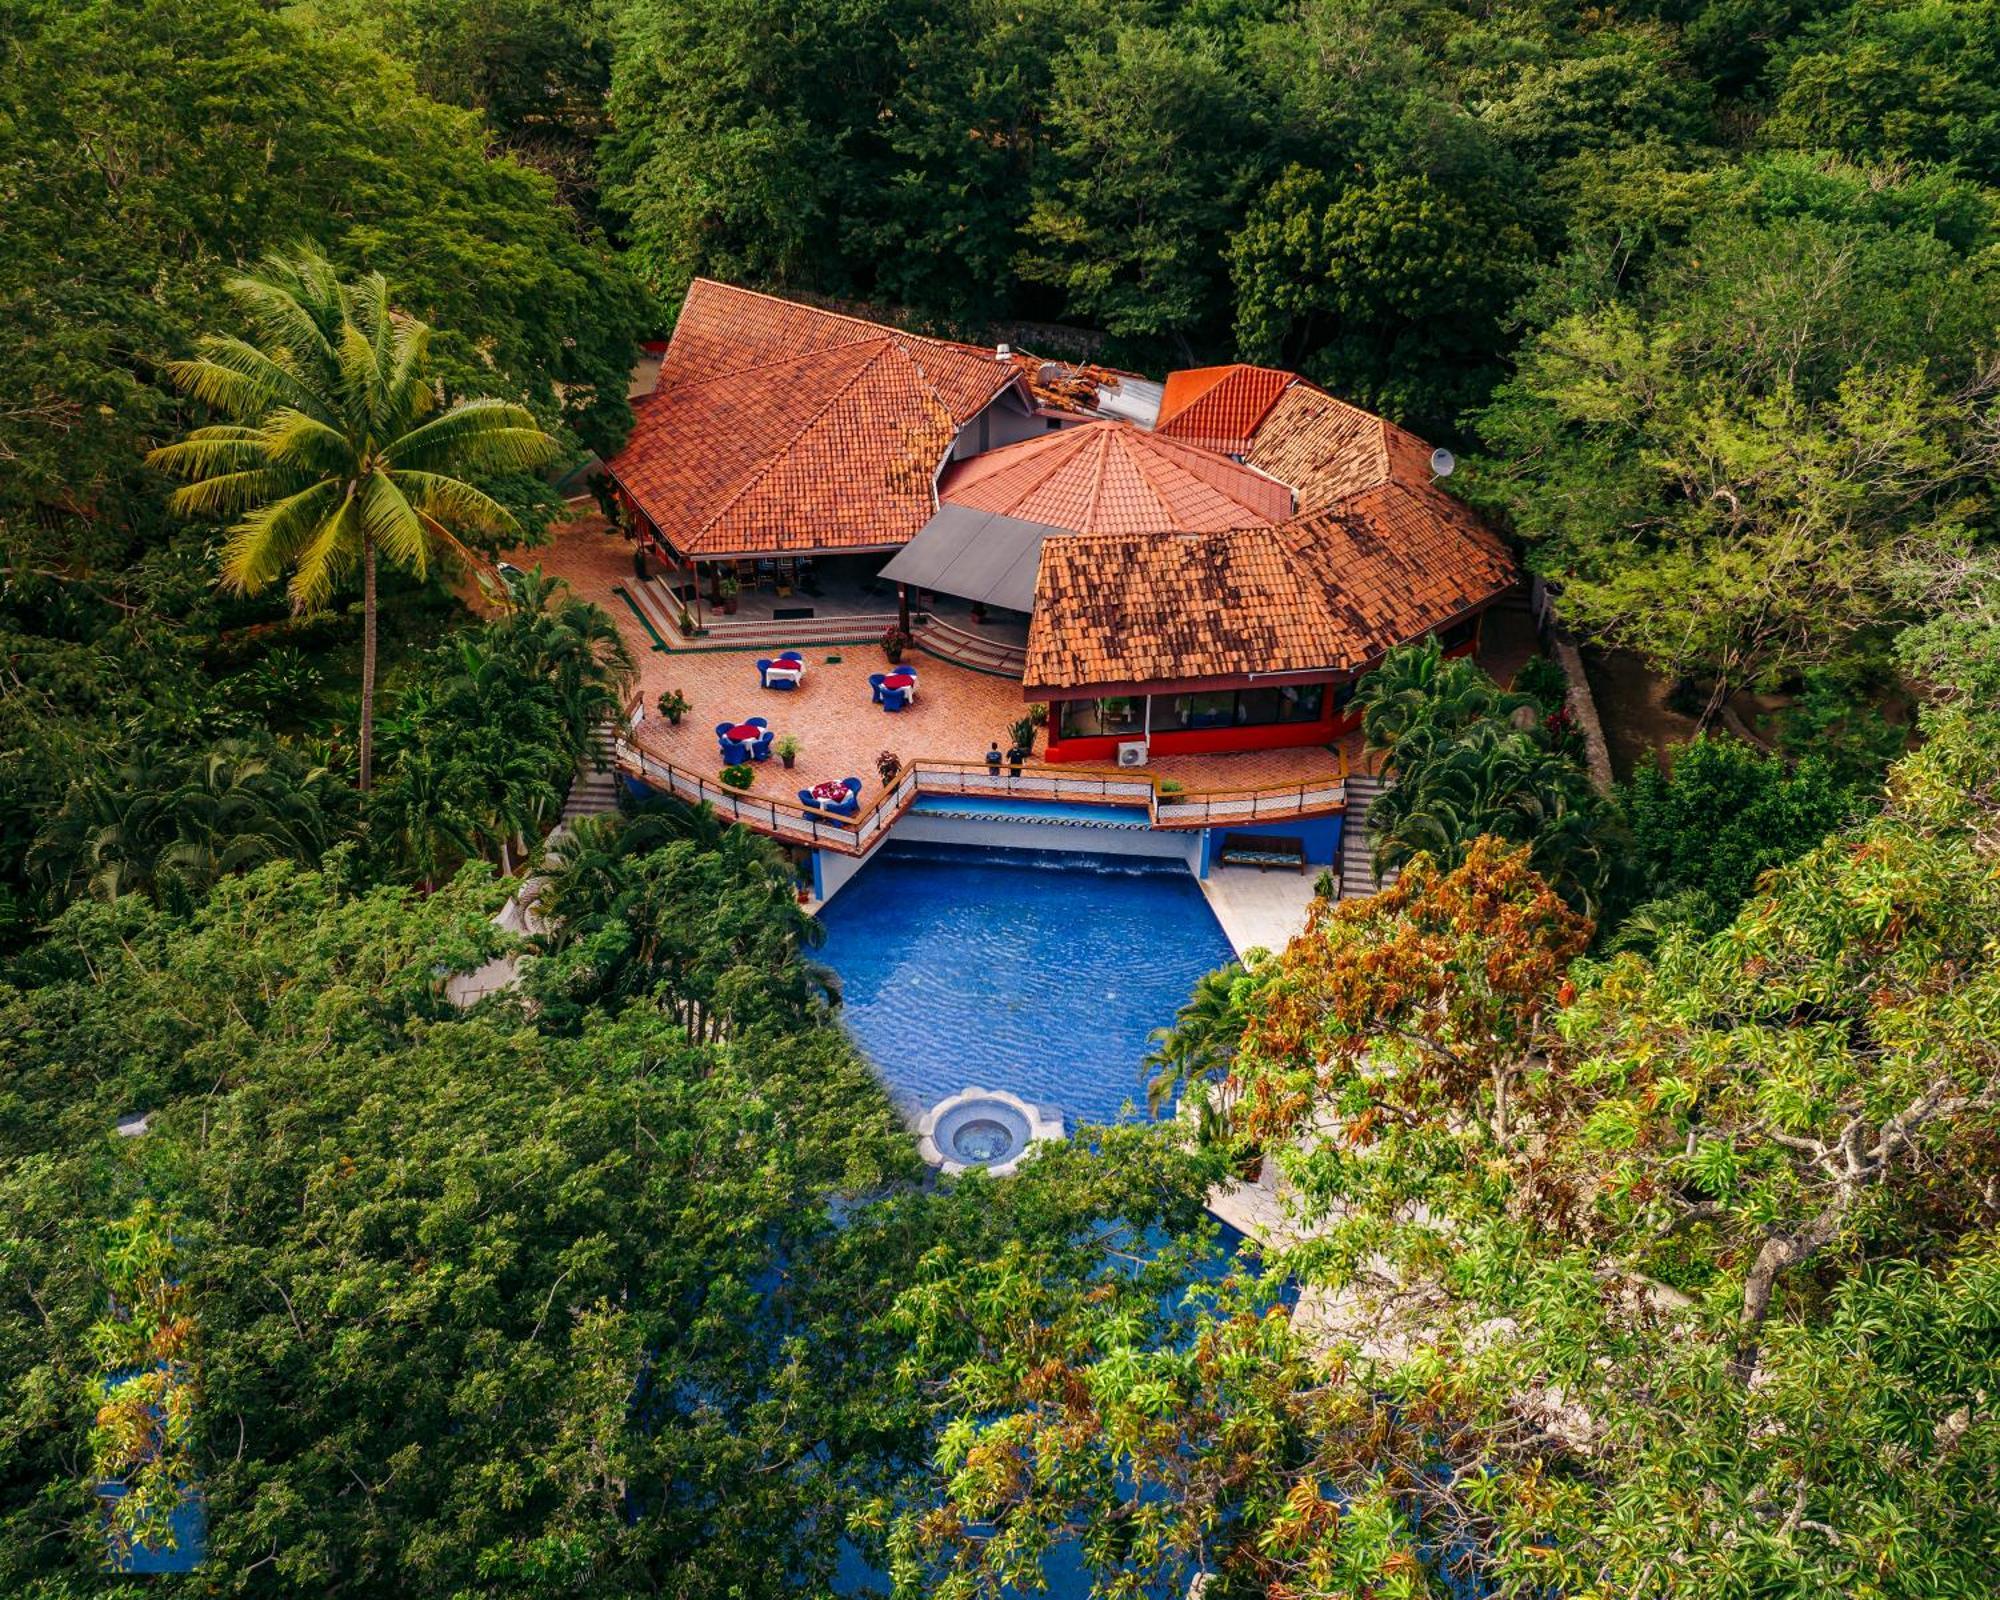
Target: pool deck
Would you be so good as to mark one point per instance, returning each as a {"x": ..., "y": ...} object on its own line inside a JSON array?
[
  {"x": 1266, "y": 909},
  {"x": 958, "y": 711}
]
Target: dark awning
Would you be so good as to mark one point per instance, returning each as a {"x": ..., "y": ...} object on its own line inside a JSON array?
[{"x": 976, "y": 555}]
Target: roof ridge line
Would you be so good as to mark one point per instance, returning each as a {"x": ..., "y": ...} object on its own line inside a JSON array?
[
  {"x": 1062, "y": 450},
  {"x": 1013, "y": 374},
  {"x": 764, "y": 470},
  {"x": 1097, "y": 483}
]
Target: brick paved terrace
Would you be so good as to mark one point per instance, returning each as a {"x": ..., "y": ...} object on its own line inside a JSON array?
[{"x": 956, "y": 715}]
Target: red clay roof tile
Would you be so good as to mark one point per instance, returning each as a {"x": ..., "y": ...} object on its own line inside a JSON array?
[
  {"x": 1111, "y": 477},
  {"x": 779, "y": 427},
  {"x": 1385, "y": 558},
  {"x": 1327, "y": 449},
  {"x": 1220, "y": 408}
]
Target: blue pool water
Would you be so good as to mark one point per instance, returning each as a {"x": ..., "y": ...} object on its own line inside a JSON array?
[
  {"x": 962, "y": 805},
  {"x": 1036, "y": 971}
]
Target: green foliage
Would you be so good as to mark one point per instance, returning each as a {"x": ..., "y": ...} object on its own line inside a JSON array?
[
  {"x": 1191, "y": 1059},
  {"x": 1670, "y": 1276},
  {"x": 1391, "y": 293},
  {"x": 331, "y": 454},
  {"x": 172, "y": 824},
  {"x": 1726, "y": 470},
  {"x": 591, "y": 1296},
  {"x": 1472, "y": 760},
  {"x": 1712, "y": 823},
  {"x": 1151, "y": 146}
]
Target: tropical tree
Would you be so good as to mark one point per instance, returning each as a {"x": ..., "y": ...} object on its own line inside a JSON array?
[
  {"x": 572, "y": 646},
  {"x": 171, "y": 826},
  {"x": 1472, "y": 760},
  {"x": 332, "y": 455},
  {"x": 1192, "y": 1057},
  {"x": 1672, "y": 1277}
]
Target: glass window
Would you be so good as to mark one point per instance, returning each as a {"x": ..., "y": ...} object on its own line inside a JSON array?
[
  {"x": 1301, "y": 702},
  {"x": 1343, "y": 695},
  {"x": 1216, "y": 709},
  {"x": 1458, "y": 633},
  {"x": 1116, "y": 716},
  {"x": 1255, "y": 707},
  {"x": 1293, "y": 702}
]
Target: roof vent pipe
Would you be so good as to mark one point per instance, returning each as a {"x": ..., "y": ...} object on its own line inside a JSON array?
[{"x": 1003, "y": 352}]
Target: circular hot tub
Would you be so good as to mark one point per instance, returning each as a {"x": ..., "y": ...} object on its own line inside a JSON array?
[{"x": 987, "y": 1128}]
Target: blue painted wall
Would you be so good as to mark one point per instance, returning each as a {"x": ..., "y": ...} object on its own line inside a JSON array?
[{"x": 1320, "y": 834}]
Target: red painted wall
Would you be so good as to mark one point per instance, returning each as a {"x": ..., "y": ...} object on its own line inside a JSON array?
[
  {"x": 1335, "y": 724},
  {"x": 1103, "y": 748}
]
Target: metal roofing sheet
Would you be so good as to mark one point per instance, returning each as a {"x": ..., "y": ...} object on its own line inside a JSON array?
[{"x": 976, "y": 555}]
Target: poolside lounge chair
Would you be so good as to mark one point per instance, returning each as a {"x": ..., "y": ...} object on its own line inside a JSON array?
[{"x": 839, "y": 808}]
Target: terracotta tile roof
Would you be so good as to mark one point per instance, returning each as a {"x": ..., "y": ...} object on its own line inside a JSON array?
[
  {"x": 1220, "y": 408},
  {"x": 1327, "y": 449},
  {"x": 723, "y": 329},
  {"x": 1137, "y": 608},
  {"x": 1112, "y": 477},
  {"x": 1389, "y": 558},
  {"x": 779, "y": 427}
]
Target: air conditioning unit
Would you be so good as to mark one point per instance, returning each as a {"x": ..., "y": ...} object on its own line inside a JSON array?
[{"x": 1132, "y": 753}]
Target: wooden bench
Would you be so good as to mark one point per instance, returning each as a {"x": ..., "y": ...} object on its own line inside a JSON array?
[{"x": 1255, "y": 850}]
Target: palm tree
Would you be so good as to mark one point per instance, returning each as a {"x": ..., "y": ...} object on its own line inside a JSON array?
[
  {"x": 171, "y": 828},
  {"x": 571, "y": 645},
  {"x": 332, "y": 454},
  {"x": 1199, "y": 1049}
]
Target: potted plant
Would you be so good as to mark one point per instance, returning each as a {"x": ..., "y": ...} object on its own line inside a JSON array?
[
  {"x": 739, "y": 776},
  {"x": 673, "y": 706},
  {"x": 1168, "y": 786},
  {"x": 1024, "y": 736},
  {"x": 1038, "y": 713},
  {"x": 894, "y": 642},
  {"x": 888, "y": 763},
  {"x": 787, "y": 748},
  {"x": 727, "y": 589}
]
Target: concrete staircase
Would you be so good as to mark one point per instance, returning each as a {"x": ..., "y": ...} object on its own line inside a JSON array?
[
  {"x": 1357, "y": 843},
  {"x": 593, "y": 791}
]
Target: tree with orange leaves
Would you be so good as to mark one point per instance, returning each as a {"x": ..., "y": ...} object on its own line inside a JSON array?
[{"x": 1414, "y": 1004}]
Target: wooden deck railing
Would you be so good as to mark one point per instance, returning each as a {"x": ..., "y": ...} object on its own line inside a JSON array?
[{"x": 855, "y": 836}]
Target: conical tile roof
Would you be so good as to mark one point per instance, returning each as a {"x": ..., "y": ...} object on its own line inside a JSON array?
[{"x": 1111, "y": 477}]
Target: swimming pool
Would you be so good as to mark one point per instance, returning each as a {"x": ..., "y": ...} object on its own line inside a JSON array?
[{"x": 1040, "y": 972}]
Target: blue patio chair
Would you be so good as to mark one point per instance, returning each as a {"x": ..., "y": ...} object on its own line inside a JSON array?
[
  {"x": 761, "y": 749},
  {"x": 788, "y": 658},
  {"x": 734, "y": 751},
  {"x": 875, "y": 684},
  {"x": 893, "y": 699}
]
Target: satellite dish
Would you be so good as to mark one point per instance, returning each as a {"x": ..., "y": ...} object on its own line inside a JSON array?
[{"x": 1442, "y": 462}]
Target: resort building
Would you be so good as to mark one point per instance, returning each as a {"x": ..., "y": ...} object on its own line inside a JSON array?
[
  {"x": 1203, "y": 566},
  {"x": 887, "y": 588}
]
